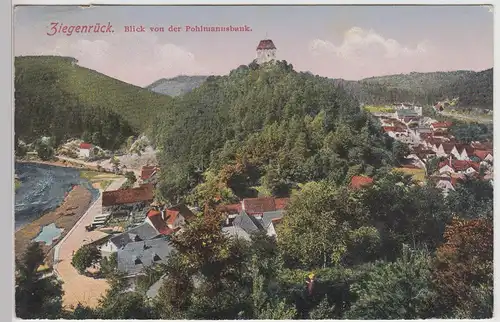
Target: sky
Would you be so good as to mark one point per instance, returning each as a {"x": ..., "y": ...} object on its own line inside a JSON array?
[{"x": 349, "y": 42}]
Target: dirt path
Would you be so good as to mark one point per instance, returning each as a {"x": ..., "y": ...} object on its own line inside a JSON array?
[{"x": 78, "y": 288}]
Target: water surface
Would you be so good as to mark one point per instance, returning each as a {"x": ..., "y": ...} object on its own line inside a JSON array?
[{"x": 43, "y": 188}]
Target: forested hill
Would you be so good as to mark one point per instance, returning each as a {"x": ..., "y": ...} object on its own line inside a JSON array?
[
  {"x": 265, "y": 126},
  {"x": 474, "y": 89},
  {"x": 176, "y": 86},
  {"x": 56, "y": 97}
]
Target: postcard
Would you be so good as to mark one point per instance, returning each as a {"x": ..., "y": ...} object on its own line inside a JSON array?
[{"x": 253, "y": 162}]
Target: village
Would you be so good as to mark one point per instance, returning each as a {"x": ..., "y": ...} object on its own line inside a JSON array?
[{"x": 431, "y": 142}]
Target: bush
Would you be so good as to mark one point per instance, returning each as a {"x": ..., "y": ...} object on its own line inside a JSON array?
[{"x": 85, "y": 257}]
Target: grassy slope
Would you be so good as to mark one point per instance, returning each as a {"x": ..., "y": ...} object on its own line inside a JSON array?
[{"x": 137, "y": 105}]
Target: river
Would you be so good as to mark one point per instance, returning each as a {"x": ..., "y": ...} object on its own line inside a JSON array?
[{"x": 43, "y": 188}]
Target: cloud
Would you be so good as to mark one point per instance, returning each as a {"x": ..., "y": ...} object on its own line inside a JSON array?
[
  {"x": 359, "y": 44},
  {"x": 138, "y": 59}
]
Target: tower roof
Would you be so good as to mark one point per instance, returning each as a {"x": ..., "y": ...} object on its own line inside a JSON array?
[{"x": 266, "y": 44}]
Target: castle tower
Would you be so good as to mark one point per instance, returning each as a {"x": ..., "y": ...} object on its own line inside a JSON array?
[{"x": 266, "y": 51}]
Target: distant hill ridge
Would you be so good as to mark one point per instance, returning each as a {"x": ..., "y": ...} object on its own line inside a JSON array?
[
  {"x": 473, "y": 88},
  {"x": 177, "y": 85}
]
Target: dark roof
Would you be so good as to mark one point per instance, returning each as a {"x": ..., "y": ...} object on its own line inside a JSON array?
[
  {"x": 126, "y": 196},
  {"x": 270, "y": 216},
  {"x": 248, "y": 223},
  {"x": 142, "y": 232},
  {"x": 144, "y": 254},
  {"x": 266, "y": 44},
  {"x": 358, "y": 182}
]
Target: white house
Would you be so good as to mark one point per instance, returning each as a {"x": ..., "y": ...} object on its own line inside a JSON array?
[
  {"x": 445, "y": 185},
  {"x": 86, "y": 150}
]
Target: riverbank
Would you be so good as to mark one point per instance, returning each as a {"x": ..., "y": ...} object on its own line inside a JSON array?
[
  {"x": 59, "y": 163},
  {"x": 65, "y": 216}
]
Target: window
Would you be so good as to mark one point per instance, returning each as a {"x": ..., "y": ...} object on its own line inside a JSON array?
[{"x": 138, "y": 261}]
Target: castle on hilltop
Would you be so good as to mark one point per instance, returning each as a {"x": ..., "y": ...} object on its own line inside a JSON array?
[{"x": 266, "y": 51}]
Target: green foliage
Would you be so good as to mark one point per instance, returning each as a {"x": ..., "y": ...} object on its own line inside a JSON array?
[
  {"x": 472, "y": 88},
  {"x": 44, "y": 152},
  {"x": 152, "y": 275},
  {"x": 279, "y": 126},
  {"x": 323, "y": 311},
  {"x": 109, "y": 265},
  {"x": 468, "y": 132},
  {"x": 37, "y": 297},
  {"x": 55, "y": 97},
  {"x": 314, "y": 232},
  {"x": 399, "y": 290},
  {"x": 400, "y": 151},
  {"x": 85, "y": 257},
  {"x": 472, "y": 198}
]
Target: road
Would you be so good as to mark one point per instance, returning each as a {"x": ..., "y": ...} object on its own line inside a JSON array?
[
  {"x": 105, "y": 164},
  {"x": 78, "y": 288}
]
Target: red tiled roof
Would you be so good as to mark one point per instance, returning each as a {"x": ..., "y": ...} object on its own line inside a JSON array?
[
  {"x": 482, "y": 154},
  {"x": 460, "y": 165},
  {"x": 259, "y": 205},
  {"x": 442, "y": 124},
  {"x": 173, "y": 212},
  {"x": 125, "y": 196},
  {"x": 266, "y": 44},
  {"x": 85, "y": 146},
  {"x": 447, "y": 147},
  {"x": 231, "y": 209},
  {"x": 158, "y": 222},
  {"x": 281, "y": 203},
  {"x": 358, "y": 182},
  {"x": 147, "y": 171},
  {"x": 482, "y": 146}
]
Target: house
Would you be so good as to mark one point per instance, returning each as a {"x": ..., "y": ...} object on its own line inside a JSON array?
[
  {"x": 446, "y": 184},
  {"x": 149, "y": 174},
  {"x": 458, "y": 166},
  {"x": 129, "y": 199},
  {"x": 142, "y": 232},
  {"x": 136, "y": 256},
  {"x": 358, "y": 182},
  {"x": 484, "y": 155},
  {"x": 177, "y": 216},
  {"x": 157, "y": 219},
  {"x": 257, "y": 206},
  {"x": 244, "y": 224},
  {"x": 86, "y": 150},
  {"x": 443, "y": 126},
  {"x": 407, "y": 115}
]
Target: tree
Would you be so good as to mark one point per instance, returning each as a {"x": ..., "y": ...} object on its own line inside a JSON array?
[
  {"x": 463, "y": 269},
  {"x": 37, "y": 296},
  {"x": 85, "y": 257},
  {"x": 116, "y": 163},
  {"x": 399, "y": 290},
  {"x": 400, "y": 151},
  {"x": 313, "y": 231},
  {"x": 323, "y": 311},
  {"x": 131, "y": 179},
  {"x": 472, "y": 198},
  {"x": 44, "y": 152},
  {"x": 109, "y": 265}
]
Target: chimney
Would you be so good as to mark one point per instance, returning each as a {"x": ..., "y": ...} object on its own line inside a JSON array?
[
  {"x": 163, "y": 214},
  {"x": 451, "y": 166}
]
